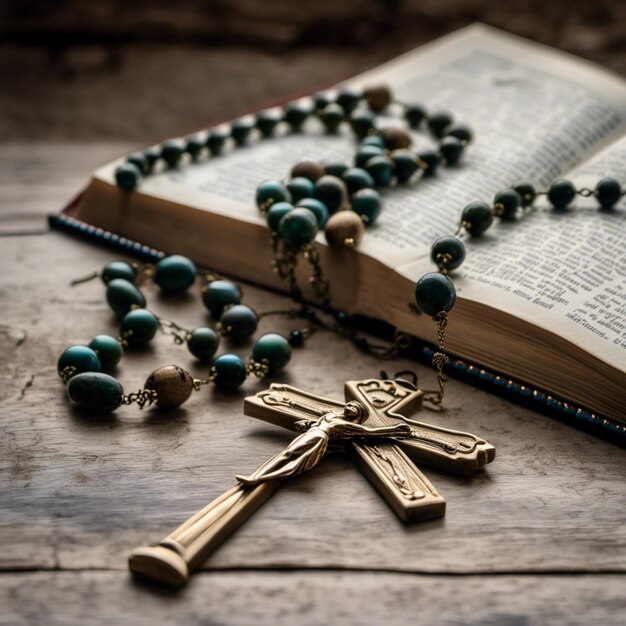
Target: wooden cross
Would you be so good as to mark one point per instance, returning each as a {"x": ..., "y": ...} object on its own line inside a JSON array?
[{"x": 387, "y": 463}]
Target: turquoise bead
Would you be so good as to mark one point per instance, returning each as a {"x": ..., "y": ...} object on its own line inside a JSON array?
[
  {"x": 230, "y": 372},
  {"x": 203, "y": 343},
  {"x": 365, "y": 153},
  {"x": 300, "y": 188},
  {"x": 561, "y": 193},
  {"x": 348, "y": 99},
  {"x": 368, "y": 204},
  {"x": 266, "y": 122},
  {"x": 82, "y": 358},
  {"x": 172, "y": 151},
  {"x": 439, "y": 122},
  {"x": 357, "y": 178},
  {"x": 414, "y": 114},
  {"x": 139, "y": 327},
  {"x": 373, "y": 140},
  {"x": 152, "y": 155},
  {"x": 194, "y": 146},
  {"x": 608, "y": 192},
  {"x": 238, "y": 322},
  {"x": 461, "y": 132},
  {"x": 335, "y": 168},
  {"x": 121, "y": 295},
  {"x": 298, "y": 227},
  {"x": 432, "y": 160},
  {"x": 118, "y": 269},
  {"x": 95, "y": 392},
  {"x": 216, "y": 140},
  {"x": 108, "y": 350},
  {"x": 219, "y": 294},
  {"x": 274, "y": 349},
  {"x": 434, "y": 293},
  {"x": 476, "y": 218},
  {"x": 362, "y": 123},
  {"x": 331, "y": 191},
  {"x": 175, "y": 274},
  {"x": 451, "y": 150},
  {"x": 295, "y": 114},
  {"x": 318, "y": 208},
  {"x": 127, "y": 176},
  {"x": 332, "y": 116},
  {"x": 381, "y": 170},
  {"x": 448, "y": 252},
  {"x": 404, "y": 165},
  {"x": 506, "y": 203},
  {"x": 527, "y": 193},
  {"x": 240, "y": 130},
  {"x": 276, "y": 212},
  {"x": 271, "y": 191},
  {"x": 139, "y": 159}
]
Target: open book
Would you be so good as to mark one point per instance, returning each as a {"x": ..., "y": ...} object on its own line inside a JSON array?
[{"x": 542, "y": 300}]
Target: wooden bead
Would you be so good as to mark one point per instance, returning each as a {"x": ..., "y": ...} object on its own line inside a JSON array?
[
  {"x": 396, "y": 138},
  {"x": 344, "y": 229},
  {"x": 173, "y": 386},
  {"x": 378, "y": 97},
  {"x": 308, "y": 169}
]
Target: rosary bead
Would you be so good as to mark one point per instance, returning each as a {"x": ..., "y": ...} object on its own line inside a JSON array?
[
  {"x": 506, "y": 203},
  {"x": 362, "y": 123},
  {"x": 378, "y": 97},
  {"x": 96, "y": 392},
  {"x": 266, "y": 122},
  {"x": 461, "y": 132},
  {"x": 365, "y": 153},
  {"x": 175, "y": 274},
  {"x": 152, "y": 155},
  {"x": 296, "y": 338},
  {"x": 108, "y": 350},
  {"x": 451, "y": 149},
  {"x": 240, "y": 130},
  {"x": 219, "y": 294},
  {"x": 300, "y": 188},
  {"x": 526, "y": 193},
  {"x": 274, "y": 349},
  {"x": 118, "y": 269},
  {"x": 381, "y": 170},
  {"x": 335, "y": 168},
  {"x": 367, "y": 204},
  {"x": 238, "y": 323},
  {"x": 345, "y": 229},
  {"x": 414, "y": 114},
  {"x": 448, "y": 252},
  {"x": 561, "y": 193},
  {"x": 172, "y": 384},
  {"x": 396, "y": 138},
  {"x": 138, "y": 327},
  {"x": 230, "y": 372},
  {"x": 295, "y": 114},
  {"x": 121, "y": 295},
  {"x": 216, "y": 141},
  {"x": 373, "y": 140},
  {"x": 81, "y": 358},
  {"x": 203, "y": 343},
  {"x": 349, "y": 99},
  {"x": 321, "y": 100},
  {"x": 357, "y": 178},
  {"x": 269, "y": 192},
  {"x": 608, "y": 192},
  {"x": 139, "y": 159},
  {"x": 432, "y": 160},
  {"x": 194, "y": 146},
  {"x": 127, "y": 176},
  {"x": 277, "y": 211},
  {"x": 308, "y": 169},
  {"x": 332, "y": 116},
  {"x": 298, "y": 227},
  {"x": 404, "y": 165},
  {"x": 172, "y": 151},
  {"x": 439, "y": 122},
  {"x": 476, "y": 218},
  {"x": 434, "y": 293},
  {"x": 332, "y": 192},
  {"x": 318, "y": 208}
]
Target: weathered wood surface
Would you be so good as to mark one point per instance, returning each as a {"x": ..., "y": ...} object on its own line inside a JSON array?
[{"x": 78, "y": 493}]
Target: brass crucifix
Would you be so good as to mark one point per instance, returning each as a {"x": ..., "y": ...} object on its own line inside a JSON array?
[{"x": 370, "y": 425}]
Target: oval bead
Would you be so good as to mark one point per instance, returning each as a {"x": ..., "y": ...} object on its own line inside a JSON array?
[
  {"x": 296, "y": 338},
  {"x": 121, "y": 295},
  {"x": 357, "y": 178},
  {"x": 194, "y": 146},
  {"x": 108, "y": 349},
  {"x": 608, "y": 192},
  {"x": 448, "y": 252},
  {"x": 318, "y": 208},
  {"x": 365, "y": 153},
  {"x": 335, "y": 168},
  {"x": 138, "y": 327},
  {"x": 240, "y": 130},
  {"x": 434, "y": 293},
  {"x": 118, "y": 269},
  {"x": 276, "y": 213},
  {"x": 345, "y": 229},
  {"x": 295, "y": 114},
  {"x": 274, "y": 349},
  {"x": 404, "y": 165},
  {"x": 139, "y": 159},
  {"x": 431, "y": 159},
  {"x": 238, "y": 322},
  {"x": 414, "y": 114},
  {"x": 152, "y": 155},
  {"x": 216, "y": 140},
  {"x": 332, "y": 116},
  {"x": 373, "y": 140},
  {"x": 321, "y": 100},
  {"x": 172, "y": 151},
  {"x": 439, "y": 122},
  {"x": 269, "y": 192},
  {"x": 230, "y": 372},
  {"x": 348, "y": 99},
  {"x": 300, "y": 188},
  {"x": 218, "y": 294},
  {"x": 461, "y": 132},
  {"x": 81, "y": 358},
  {"x": 308, "y": 169},
  {"x": 506, "y": 203},
  {"x": 378, "y": 97},
  {"x": 561, "y": 193},
  {"x": 266, "y": 122},
  {"x": 476, "y": 218},
  {"x": 527, "y": 193},
  {"x": 298, "y": 227},
  {"x": 396, "y": 138},
  {"x": 380, "y": 169},
  {"x": 127, "y": 176},
  {"x": 95, "y": 392},
  {"x": 451, "y": 150},
  {"x": 367, "y": 204},
  {"x": 172, "y": 384},
  {"x": 175, "y": 273},
  {"x": 362, "y": 123},
  {"x": 203, "y": 343},
  {"x": 332, "y": 192}
]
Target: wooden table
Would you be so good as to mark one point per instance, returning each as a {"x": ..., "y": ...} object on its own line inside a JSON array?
[{"x": 537, "y": 538}]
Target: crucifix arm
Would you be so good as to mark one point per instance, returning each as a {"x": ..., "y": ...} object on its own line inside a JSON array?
[{"x": 349, "y": 430}]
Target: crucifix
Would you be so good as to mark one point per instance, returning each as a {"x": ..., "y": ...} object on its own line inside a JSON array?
[{"x": 370, "y": 425}]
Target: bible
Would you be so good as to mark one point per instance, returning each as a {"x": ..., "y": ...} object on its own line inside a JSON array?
[{"x": 541, "y": 301}]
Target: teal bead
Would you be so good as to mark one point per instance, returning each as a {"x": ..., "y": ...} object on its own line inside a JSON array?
[
  {"x": 332, "y": 116},
  {"x": 121, "y": 295},
  {"x": 404, "y": 165},
  {"x": 448, "y": 252},
  {"x": 461, "y": 132},
  {"x": 152, "y": 155},
  {"x": 332, "y": 192},
  {"x": 300, "y": 188},
  {"x": 238, "y": 323},
  {"x": 432, "y": 160},
  {"x": 527, "y": 193},
  {"x": 276, "y": 212},
  {"x": 230, "y": 372},
  {"x": 118, "y": 269},
  {"x": 127, "y": 176},
  {"x": 108, "y": 350},
  {"x": 368, "y": 204},
  {"x": 81, "y": 358},
  {"x": 138, "y": 328},
  {"x": 373, "y": 140},
  {"x": 172, "y": 151},
  {"x": 381, "y": 170},
  {"x": 175, "y": 274},
  {"x": 298, "y": 227},
  {"x": 357, "y": 178},
  {"x": 92, "y": 391},
  {"x": 295, "y": 114},
  {"x": 335, "y": 168},
  {"x": 274, "y": 349},
  {"x": 216, "y": 140},
  {"x": 561, "y": 193},
  {"x": 362, "y": 123},
  {"x": 434, "y": 293},
  {"x": 266, "y": 122},
  {"x": 194, "y": 146},
  {"x": 271, "y": 191},
  {"x": 476, "y": 218},
  {"x": 414, "y": 114},
  {"x": 451, "y": 150},
  {"x": 219, "y": 294},
  {"x": 139, "y": 159},
  {"x": 439, "y": 122},
  {"x": 318, "y": 208},
  {"x": 240, "y": 130},
  {"x": 365, "y": 153},
  {"x": 203, "y": 343},
  {"x": 348, "y": 99},
  {"x": 506, "y": 203},
  {"x": 608, "y": 192}
]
